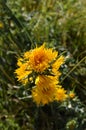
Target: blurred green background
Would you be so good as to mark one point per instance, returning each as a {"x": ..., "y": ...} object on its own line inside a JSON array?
[{"x": 62, "y": 25}]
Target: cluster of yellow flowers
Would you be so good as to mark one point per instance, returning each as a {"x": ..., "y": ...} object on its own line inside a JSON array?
[{"x": 41, "y": 66}]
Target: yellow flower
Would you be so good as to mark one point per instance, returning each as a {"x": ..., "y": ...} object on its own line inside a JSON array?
[
  {"x": 40, "y": 58},
  {"x": 45, "y": 89},
  {"x": 43, "y": 96},
  {"x": 60, "y": 94},
  {"x": 71, "y": 94}
]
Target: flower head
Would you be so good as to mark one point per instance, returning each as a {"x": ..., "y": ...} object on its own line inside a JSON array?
[
  {"x": 45, "y": 89},
  {"x": 37, "y": 60},
  {"x": 43, "y": 96},
  {"x": 40, "y": 58},
  {"x": 71, "y": 94}
]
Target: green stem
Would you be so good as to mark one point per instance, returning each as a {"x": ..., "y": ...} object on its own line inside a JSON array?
[{"x": 73, "y": 69}]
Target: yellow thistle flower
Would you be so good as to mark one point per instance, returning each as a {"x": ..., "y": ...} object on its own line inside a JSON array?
[
  {"x": 45, "y": 89},
  {"x": 43, "y": 96},
  {"x": 60, "y": 94},
  {"x": 71, "y": 94},
  {"x": 39, "y": 58}
]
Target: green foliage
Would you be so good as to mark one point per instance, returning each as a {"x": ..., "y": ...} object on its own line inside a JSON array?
[
  {"x": 7, "y": 124},
  {"x": 62, "y": 24}
]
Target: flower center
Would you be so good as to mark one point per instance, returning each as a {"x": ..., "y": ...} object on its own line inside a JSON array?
[{"x": 38, "y": 59}]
